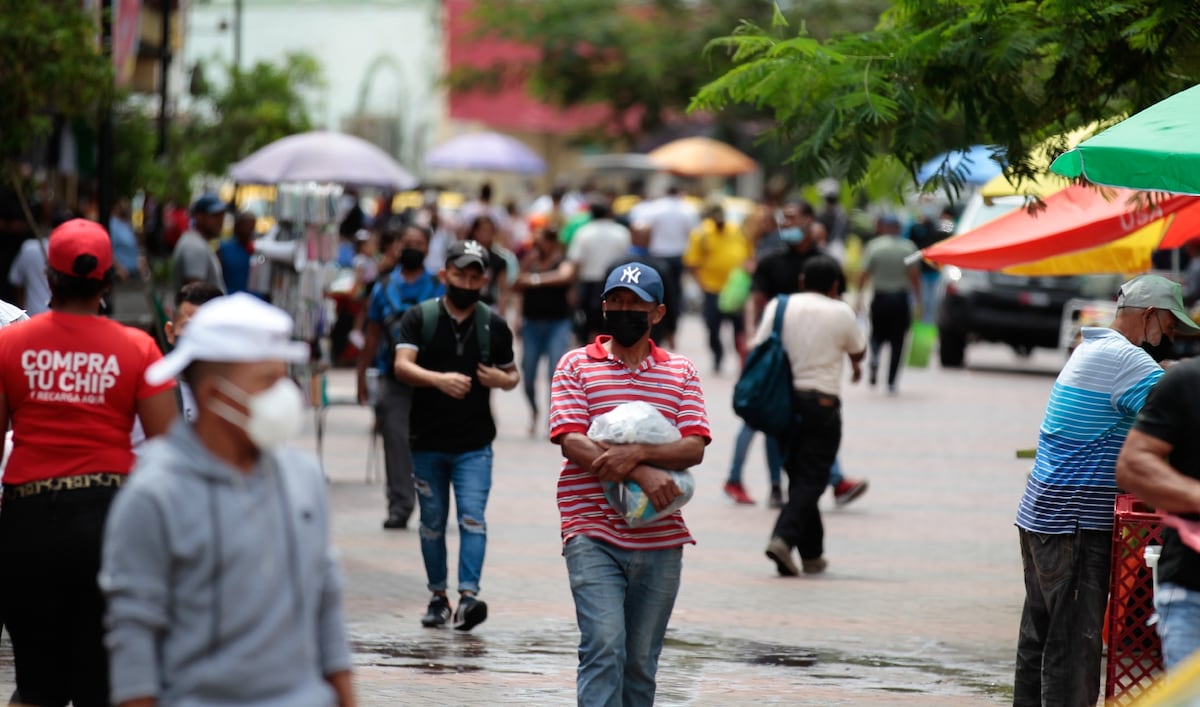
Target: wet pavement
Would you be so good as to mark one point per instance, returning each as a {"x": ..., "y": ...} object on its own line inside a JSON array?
[{"x": 920, "y": 604}]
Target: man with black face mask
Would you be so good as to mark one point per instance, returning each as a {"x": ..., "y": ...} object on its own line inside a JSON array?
[
  {"x": 453, "y": 351},
  {"x": 624, "y": 579},
  {"x": 393, "y": 295},
  {"x": 1065, "y": 518}
]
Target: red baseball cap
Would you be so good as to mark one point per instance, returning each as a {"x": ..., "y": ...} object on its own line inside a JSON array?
[{"x": 80, "y": 248}]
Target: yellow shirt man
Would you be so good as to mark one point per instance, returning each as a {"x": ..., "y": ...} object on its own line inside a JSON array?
[{"x": 714, "y": 251}]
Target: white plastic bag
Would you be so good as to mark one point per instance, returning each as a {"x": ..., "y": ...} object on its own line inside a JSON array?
[
  {"x": 639, "y": 423},
  {"x": 633, "y": 423}
]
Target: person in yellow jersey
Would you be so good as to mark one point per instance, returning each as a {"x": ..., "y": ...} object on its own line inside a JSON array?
[{"x": 715, "y": 251}]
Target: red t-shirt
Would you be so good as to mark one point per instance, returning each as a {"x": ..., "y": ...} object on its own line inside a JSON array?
[
  {"x": 589, "y": 382},
  {"x": 72, "y": 383}
]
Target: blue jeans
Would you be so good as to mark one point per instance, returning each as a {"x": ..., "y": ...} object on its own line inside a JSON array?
[
  {"x": 1178, "y": 623},
  {"x": 929, "y": 293},
  {"x": 835, "y": 473},
  {"x": 542, "y": 338},
  {"x": 742, "y": 447},
  {"x": 623, "y": 600},
  {"x": 774, "y": 459},
  {"x": 471, "y": 475}
]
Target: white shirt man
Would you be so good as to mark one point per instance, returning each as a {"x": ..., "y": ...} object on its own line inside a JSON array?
[
  {"x": 28, "y": 272},
  {"x": 819, "y": 332},
  {"x": 671, "y": 221}
]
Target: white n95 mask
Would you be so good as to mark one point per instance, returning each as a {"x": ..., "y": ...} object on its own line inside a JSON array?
[{"x": 273, "y": 416}]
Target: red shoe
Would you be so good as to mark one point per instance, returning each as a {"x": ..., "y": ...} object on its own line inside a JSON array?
[
  {"x": 738, "y": 493},
  {"x": 848, "y": 490}
]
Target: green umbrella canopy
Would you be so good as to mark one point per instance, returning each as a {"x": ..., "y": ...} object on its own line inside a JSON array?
[{"x": 1157, "y": 149}]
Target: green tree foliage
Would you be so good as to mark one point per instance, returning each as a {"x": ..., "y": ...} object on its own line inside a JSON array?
[
  {"x": 251, "y": 109},
  {"x": 941, "y": 74},
  {"x": 247, "y": 110},
  {"x": 50, "y": 65},
  {"x": 642, "y": 58}
]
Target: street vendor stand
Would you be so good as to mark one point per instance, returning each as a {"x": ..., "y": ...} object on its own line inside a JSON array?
[{"x": 295, "y": 264}]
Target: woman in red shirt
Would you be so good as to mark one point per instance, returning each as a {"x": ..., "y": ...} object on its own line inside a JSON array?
[{"x": 71, "y": 384}]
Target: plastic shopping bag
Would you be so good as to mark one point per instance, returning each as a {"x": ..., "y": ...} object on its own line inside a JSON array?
[
  {"x": 923, "y": 335},
  {"x": 736, "y": 291},
  {"x": 639, "y": 423}
]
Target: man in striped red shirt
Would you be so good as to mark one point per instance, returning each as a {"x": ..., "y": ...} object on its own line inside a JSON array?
[{"x": 624, "y": 580}]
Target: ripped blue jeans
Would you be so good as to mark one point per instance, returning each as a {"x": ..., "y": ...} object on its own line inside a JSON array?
[{"x": 470, "y": 474}]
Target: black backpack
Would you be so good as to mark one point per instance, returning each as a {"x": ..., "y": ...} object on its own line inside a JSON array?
[{"x": 483, "y": 327}]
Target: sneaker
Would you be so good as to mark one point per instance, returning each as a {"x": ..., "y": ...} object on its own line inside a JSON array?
[
  {"x": 737, "y": 492},
  {"x": 776, "y": 497},
  {"x": 873, "y": 377},
  {"x": 779, "y": 551},
  {"x": 848, "y": 490},
  {"x": 395, "y": 523},
  {"x": 438, "y": 612},
  {"x": 470, "y": 613},
  {"x": 816, "y": 566}
]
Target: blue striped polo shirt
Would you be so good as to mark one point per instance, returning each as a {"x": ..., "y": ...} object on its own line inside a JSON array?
[{"x": 1092, "y": 407}]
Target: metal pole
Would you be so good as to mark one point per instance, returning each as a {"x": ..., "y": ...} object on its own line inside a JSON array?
[
  {"x": 164, "y": 69},
  {"x": 104, "y": 151},
  {"x": 237, "y": 35}
]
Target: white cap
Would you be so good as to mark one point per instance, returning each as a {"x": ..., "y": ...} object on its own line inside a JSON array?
[{"x": 239, "y": 328}]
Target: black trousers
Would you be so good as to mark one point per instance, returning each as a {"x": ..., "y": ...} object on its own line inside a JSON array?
[
  {"x": 392, "y": 416},
  {"x": 50, "y": 548},
  {"x": 1066, "y": 591},
  {"x": 891, "y": 317},
  {"x": 809, "y": 452}
]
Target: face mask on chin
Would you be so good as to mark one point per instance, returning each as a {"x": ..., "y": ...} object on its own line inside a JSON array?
[
  {"x": 627, "y": 326},
  {"x": 272, "y": 416}
]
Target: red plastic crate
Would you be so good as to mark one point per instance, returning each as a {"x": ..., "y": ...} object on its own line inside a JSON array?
[{"x": 1134, "y": 651}]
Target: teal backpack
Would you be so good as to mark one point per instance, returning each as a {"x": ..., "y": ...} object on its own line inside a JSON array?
[{"x": 763, "y": 394}]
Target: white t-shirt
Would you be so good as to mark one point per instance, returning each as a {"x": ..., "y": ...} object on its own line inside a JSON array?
[
  {"x": 137, "y": 437},
  {"x": 596, "y": 246},
  {"x": 818, "y": 333},
  {"x": 671, "y": 221},
  {"x": 29, "y": 272}
]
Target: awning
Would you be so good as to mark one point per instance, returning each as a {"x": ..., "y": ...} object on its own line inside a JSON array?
[{"x": 1074, "y": 219}]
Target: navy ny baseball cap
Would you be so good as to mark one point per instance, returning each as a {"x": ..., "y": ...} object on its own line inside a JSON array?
[
  {"x": 209, "y": 204},
  {"x": 640, "y": 279}
]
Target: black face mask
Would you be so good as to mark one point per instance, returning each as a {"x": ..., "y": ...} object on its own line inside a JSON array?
[
  {"x": 1160, "y": 351},
  {"x": 461, "y": 297},
  {"x": 627, "y": 326},
  {"x": 411, "y": 259}
]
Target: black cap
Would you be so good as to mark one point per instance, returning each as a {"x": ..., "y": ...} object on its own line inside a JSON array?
[{"x": 464, "y": 254}]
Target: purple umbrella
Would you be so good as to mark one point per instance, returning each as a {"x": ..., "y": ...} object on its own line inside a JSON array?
[
  {"x": 485, "y": 151},
  {"x": 322, "y": 156}
]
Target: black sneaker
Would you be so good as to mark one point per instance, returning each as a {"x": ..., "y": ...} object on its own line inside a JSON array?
[
  {"x": 471, "y": 612},
  {"x": 438, "y": 612},
  {"x": 776, "y": 497},
  {"x": 395, "y": 523}
]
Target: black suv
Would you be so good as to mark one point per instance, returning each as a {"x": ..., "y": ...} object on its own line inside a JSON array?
[{"x": 1023, "y": 312}]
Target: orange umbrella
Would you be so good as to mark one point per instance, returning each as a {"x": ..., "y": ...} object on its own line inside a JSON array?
[
  {"x": 702, "y": 157},
  {"x": 1074, "y": 219}
]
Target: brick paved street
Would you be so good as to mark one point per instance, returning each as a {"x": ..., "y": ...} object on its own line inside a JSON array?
[{"x": 919, "y": 607}]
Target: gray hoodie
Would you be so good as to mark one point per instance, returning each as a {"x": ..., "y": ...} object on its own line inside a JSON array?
[{"x": 222, "y": 587}]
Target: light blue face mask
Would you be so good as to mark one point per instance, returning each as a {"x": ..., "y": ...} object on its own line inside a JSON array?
[{"x": 793, "y": 235}]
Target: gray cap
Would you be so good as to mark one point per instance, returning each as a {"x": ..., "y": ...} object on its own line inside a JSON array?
[{"x": 1160, "y": 293}]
